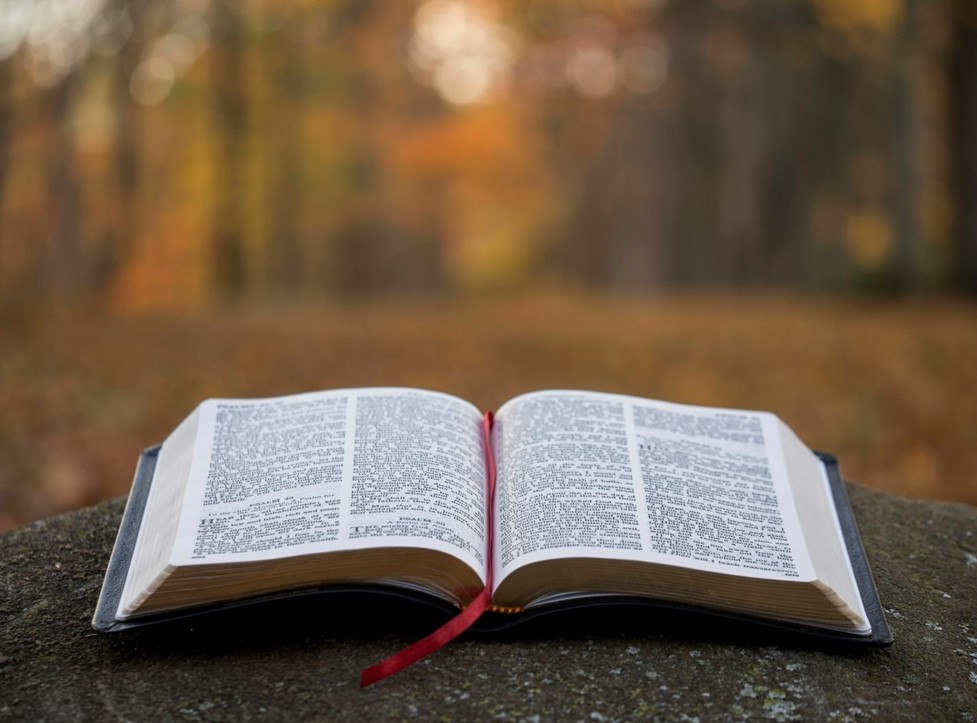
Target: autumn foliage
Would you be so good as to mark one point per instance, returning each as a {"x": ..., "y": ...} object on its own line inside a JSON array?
[
  {"x": 220, "y": 198},
  {"x": 887, "y": 387}
]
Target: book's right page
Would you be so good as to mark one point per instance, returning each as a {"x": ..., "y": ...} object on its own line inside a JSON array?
[{"x": 584, "y": 476}]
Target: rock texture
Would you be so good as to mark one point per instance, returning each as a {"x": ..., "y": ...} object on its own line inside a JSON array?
[{"x": 303, "y": 662}]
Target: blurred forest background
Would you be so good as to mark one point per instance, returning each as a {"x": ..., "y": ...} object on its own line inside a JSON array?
[{"x": 757, "y": 203}]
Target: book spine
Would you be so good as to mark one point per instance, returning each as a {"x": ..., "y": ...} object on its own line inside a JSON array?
[{"x": 467, "y": 617}]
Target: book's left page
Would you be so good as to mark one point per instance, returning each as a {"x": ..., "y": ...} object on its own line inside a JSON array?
[{"x": 349, "y": 482}]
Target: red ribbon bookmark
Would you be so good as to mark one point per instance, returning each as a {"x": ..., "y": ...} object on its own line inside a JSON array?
[
  {"x": 466, "y": 618},
  {"x": 425, "y": 646}
]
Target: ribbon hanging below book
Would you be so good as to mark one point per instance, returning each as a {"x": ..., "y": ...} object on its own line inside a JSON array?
[{"x": 467, "y": 617}]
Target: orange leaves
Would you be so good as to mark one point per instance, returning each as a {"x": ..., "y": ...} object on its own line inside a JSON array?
[
  {"x": 488, "y": 140},
  {"x": 888, "y": 387},
  {"x": 493, "y": 191},
  {"x": 878, "y": 16}
]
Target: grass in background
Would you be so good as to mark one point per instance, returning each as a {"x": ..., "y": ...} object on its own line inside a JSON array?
[{"x": 889, "y": 387}]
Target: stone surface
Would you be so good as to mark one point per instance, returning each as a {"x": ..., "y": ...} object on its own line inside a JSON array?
[{"x": 302, "y": 662}]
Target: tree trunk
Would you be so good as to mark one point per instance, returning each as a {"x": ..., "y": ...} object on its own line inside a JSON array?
[
  {"x": 905, "y": 266},
  {"x": 124, "y": 227},
  {"x": 64, "y": 262},
  {"x": 286, "y": 173},
  {"x": 229, "y": 261},
  {"x": 6, "y": 126},
  {"x": 963, "y": 81}
]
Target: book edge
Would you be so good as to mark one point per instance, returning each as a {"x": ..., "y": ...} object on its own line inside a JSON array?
[
  {"x": 881, "y": 634},
  {"x": 104, "y": 619}
]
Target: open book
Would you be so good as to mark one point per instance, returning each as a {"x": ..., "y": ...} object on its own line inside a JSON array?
[{"x": 596, "y": 497}]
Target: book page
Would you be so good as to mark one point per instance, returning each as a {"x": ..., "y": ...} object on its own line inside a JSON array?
[
  {"x": 582, "y": 474},
  {"x": 717, "y": 489},
  {"x": 338, "y": 470}
]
